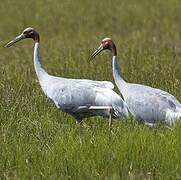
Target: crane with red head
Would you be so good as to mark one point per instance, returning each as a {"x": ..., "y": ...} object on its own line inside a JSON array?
[
  {"x": 81, "y": 98},
  {"x": 146, "y": 104}
]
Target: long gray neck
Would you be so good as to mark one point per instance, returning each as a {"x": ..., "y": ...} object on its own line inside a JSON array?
[
  {"x": 41, "y": 73},
  {"x": 120, "y": 82}
]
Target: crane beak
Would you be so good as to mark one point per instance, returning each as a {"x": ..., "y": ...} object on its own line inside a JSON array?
[
  {"x": 15, "y": 40},
  {"x": 96, "y": 52}
]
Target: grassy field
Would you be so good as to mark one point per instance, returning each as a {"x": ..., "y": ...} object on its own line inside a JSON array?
[{"x": 37, "y": 141}]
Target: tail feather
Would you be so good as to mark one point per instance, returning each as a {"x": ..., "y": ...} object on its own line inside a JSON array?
[
  {"x": 172, "y": 117},
  {"x": 120, "y": 109}
]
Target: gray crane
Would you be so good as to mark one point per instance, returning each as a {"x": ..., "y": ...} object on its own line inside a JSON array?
[
  {"x": 80, "y": 98},
  {"x": 145, "y": 103}
]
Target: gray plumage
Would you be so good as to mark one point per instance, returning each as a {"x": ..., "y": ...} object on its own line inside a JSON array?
[
  {"x": 145, "y": 103},
  {"x": 79, "y": 98}
]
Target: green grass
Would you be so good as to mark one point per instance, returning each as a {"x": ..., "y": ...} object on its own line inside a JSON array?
[{"x": 37, "y": 141}]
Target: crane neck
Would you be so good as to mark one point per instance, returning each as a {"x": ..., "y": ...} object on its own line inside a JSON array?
[
  {"x": 120, "y": 82},
  {"x": 114, "y": 50},
  {"x": 40, "y": 72}
]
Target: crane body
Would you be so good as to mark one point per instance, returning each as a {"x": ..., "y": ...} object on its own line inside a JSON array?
[
  {"x": 145, "y": 103},
  {"x": 81, "y": 98}
]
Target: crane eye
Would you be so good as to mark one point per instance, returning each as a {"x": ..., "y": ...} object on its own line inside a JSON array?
[
  {"x": 106, "y": 44},
  {"x": 28, "y": 32}
]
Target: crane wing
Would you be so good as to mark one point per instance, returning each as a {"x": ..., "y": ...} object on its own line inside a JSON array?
[
  {"x": 148, "y": 103},
  {"x": 75, "y": 93},
  {"x": 69, "y": 92},
  {"x": 103, "y": 84}
]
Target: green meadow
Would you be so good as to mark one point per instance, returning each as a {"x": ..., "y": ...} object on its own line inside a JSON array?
[{"x": 38, "y": 141}]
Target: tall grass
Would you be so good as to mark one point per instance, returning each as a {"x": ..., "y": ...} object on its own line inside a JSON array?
[{"x": 37, "y": 141}]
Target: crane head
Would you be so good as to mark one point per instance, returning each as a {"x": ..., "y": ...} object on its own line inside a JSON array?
[
  {"x": 27, "y": 33},
  {"x": 106, "y": 43}
]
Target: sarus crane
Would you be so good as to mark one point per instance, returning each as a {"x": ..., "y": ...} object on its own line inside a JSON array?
[
  {"x": 146, "y": 104},
  {"x": 81, "y": 98}
]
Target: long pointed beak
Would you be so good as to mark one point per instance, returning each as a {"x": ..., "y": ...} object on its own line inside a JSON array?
[
  {"x": 96, "y": 52},
  {"x": 15, "y": 40}
]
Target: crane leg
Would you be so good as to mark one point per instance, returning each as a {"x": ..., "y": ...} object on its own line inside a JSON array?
[
  {"x": 80, "y": 131},
  {"x": 110, "y": 120}
]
